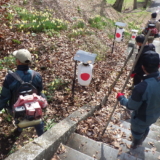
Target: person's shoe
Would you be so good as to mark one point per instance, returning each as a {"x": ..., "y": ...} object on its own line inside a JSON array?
[
  {"x": 136, "y": 143},
  {"x": 134, "y": 146}
]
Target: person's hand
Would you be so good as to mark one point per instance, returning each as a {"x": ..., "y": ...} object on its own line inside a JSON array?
[
  {"x": 132, "y": 75},
  {"x": 119, "y": 95}
]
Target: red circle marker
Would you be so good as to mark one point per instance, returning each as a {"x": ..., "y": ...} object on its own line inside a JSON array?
[
  {"x": 118, "y": 35},
  {"x": 133, "y": 36},
  {"x": 85, "y": 76}
]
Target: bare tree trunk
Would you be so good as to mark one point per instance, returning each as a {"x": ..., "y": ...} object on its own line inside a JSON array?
[
  {"x": 135, "y": 4},
  {"x": 145, "y": 4},
  {"x": 118, "y": 5}
]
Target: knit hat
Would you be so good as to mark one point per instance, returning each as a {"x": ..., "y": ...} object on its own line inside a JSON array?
[
  {"x": 140, "y": 38},
  {"x": 154, "y": 15},
  {"x": 23, "y": 55},
  {"x": 151, "y": 61}
]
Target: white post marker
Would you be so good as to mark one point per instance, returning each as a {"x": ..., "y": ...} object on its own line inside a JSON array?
[
  {"x": 85, "y": 66},
  {"x": 119, "y": 31},
  {"x": 84, "y": 73},
  {"x": 118, "y": 36},
  {"x": 134, "y": 34}
]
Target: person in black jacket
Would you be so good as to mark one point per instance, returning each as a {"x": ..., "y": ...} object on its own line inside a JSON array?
[
  {"x": 144, "y": 100},
  {"x": 138, "y": 73}
]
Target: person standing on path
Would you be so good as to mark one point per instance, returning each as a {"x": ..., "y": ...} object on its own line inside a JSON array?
[
  {"x": 144, "y": 100},
  {"x": 138, "y": 72},
  {"x": 153, "y": 20}
]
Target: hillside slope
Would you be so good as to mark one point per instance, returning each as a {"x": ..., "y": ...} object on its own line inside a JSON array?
[{"x": 53, "y": 53}]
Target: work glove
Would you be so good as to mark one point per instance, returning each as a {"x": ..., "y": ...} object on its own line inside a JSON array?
[
  {"x": 132, "y": 75},
  {"x": 119, "y": 96}
]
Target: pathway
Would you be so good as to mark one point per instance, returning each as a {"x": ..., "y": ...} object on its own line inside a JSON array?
[
  {"x": 155, "y": 6},
  {"x": 156, "y": 42}
]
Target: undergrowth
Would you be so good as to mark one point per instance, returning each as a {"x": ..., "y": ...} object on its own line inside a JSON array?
[{"x": 38, "y": 21}]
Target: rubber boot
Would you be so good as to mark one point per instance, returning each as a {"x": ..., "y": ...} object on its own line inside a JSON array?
[
  {"x": 136, "y": 143},
  {"x": 145, "y": 135}
]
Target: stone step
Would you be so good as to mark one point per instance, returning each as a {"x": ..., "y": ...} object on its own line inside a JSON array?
[
  {"x": 153, "y": 127},
  {"x": 140, "y": 152},
  {"x": 71, "y": 154},
  {"x": 148, "y": 143},
  {"x": 96, "y": 149},
  {"x": 154, "y": 132},
  {"x": 125, "y": 156}
]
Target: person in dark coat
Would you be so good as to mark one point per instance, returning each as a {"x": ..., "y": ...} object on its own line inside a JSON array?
[
  {"x": 144, "y": 100},
  {"x": 138, "y": 72},
  {"x": 10, "y": 84}
]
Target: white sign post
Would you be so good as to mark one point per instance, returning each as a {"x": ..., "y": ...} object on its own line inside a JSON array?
[
  {"x": 134, "y": 34},
  {"x": 119, "y": 30},
  {"x": 84, "y": 68}
]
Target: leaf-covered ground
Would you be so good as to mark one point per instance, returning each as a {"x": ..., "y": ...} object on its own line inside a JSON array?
[{"x": 53, "y": 58}]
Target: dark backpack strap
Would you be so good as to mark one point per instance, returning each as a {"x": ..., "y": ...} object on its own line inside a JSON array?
[
  {"x": 16, "y": 76},
  {"x": 32, "y": 76}
]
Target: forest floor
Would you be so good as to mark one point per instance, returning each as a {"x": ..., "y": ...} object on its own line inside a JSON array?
[{"x": 53, "y": 54}]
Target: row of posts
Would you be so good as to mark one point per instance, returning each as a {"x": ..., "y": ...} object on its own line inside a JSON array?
[{"x": 86, "y": 59}]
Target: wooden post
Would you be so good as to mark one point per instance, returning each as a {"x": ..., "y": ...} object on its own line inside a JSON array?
[
  {"x": 74, "y": 79},
  {"x": 114, "y": 40}
]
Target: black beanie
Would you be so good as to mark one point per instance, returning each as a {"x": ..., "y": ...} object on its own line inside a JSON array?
[
  {"x": 140, "y": 38},
  {"x": 154, "y": 15},
  {"x": 151, "y": 61}
]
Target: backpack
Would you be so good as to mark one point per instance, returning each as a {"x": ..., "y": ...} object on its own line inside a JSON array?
[
  {"x": 28, "y": 103},
  {"x": 25, "y": 88},
  {"x": 151, "y": 26}
]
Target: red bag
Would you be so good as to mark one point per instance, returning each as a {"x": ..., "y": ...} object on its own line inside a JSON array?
[
  {"x": 154, "y": 31},
  {"x": 33, "y": 105}
]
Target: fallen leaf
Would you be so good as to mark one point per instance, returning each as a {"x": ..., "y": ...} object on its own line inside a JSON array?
[{"x": 151, "y": 143}]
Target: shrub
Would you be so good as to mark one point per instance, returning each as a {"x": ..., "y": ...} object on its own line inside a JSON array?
[
  {"x": 7, "y": 63},
  {"x": 57, "y": 84},
  {"x": 101, "y": 22},
  {"x": 38, "y": 21},
  {"x": 79, "y": 24},
  {"x": 80, "y": 31},
  {"x": 97, "y": 22}
]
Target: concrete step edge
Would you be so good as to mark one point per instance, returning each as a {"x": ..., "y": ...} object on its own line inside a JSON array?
[
  {"x": 148, "y": 143},
  {"x": 153, "y": 127},
  {"x": 100, "y": 150},
  {"x": 72, "y": 154},
  {"x": 154, "y": 133},
  {"x": 90, "y": 147},
  {"x": 140, "y": 152}
]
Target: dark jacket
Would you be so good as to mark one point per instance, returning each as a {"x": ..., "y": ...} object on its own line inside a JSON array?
[
  {"x": 138, "y": 68},
  {"x": 10, "y": 84},
  {"x": 145, "y": 100}
]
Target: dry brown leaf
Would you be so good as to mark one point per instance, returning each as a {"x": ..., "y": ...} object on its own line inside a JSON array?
[
  {"x": 151, "y": 143},
  {"x": 153, "y": 149},
  {"x": 119, "y": 139},
  {"x": 116, "y": 144},
  {"x": 128, "y": 146}
]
